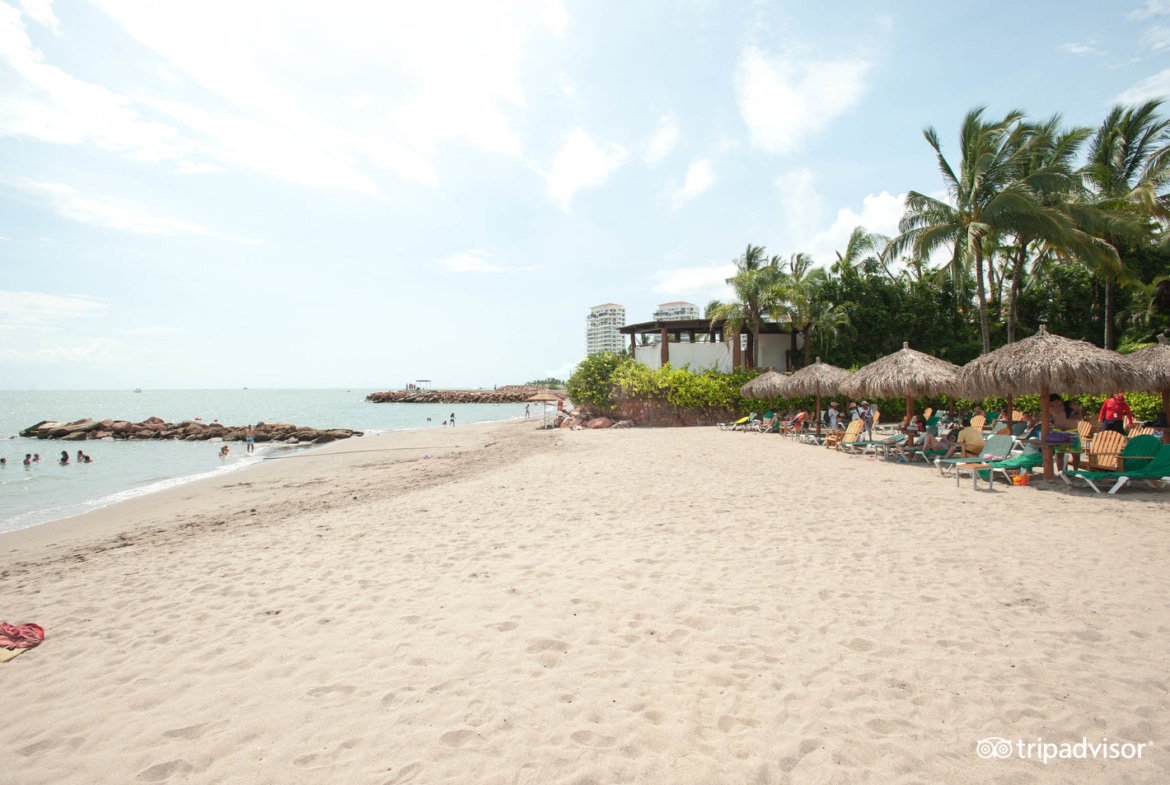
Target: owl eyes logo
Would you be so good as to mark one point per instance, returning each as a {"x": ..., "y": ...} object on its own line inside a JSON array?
[{"x": 993, "y": 747}]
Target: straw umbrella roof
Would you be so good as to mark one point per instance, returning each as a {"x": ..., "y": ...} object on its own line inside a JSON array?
[
  {"x": 820, "y": 378},
  {"x": 1152, "y": 365},
  {"x": 905, "y": 373},
  {"x": 1046, "y": 363},
  {"x": 544, "y": 395},
  {"x": 769, "y": 384}
]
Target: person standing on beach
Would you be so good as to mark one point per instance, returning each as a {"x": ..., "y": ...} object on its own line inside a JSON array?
[
  {"x": 452, "y": 419},
  {"x": 527, "y": 414},
  {"x": 1115, "y": 414},
  {"x": 250, "y": 438}
]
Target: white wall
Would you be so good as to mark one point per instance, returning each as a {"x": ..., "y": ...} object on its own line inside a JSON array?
[{"x": 701, "y": 356}]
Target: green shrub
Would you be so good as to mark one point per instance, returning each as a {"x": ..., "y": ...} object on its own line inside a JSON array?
[{"x": 590, "y": 383}]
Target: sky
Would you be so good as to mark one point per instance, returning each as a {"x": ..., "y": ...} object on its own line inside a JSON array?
[{"x": 284, "y": 193}]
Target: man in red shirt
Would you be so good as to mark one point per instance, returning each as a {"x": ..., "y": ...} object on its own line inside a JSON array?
[{"x": 1115, "y": 414}]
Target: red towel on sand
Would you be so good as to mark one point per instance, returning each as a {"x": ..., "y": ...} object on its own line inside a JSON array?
[{"x": 20, "y": 636}]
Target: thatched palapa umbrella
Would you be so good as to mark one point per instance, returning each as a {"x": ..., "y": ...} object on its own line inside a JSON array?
[
  {"x": 769, "y": 384},
  {"x": 1045, "y": 363},
  {"x": 544, "y": 397},
  {"x": 1152, "y": 367},
  {"x": 907, "y": 373},
  {"x": 817, "y": 379}
]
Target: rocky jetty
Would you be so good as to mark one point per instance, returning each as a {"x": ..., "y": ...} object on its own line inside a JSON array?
[
  {"x": 188, "y": 430},
  {"x": 510, "y": 394}
]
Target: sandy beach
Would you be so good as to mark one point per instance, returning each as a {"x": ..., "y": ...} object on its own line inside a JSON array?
[{"x": 637, "y": 606}]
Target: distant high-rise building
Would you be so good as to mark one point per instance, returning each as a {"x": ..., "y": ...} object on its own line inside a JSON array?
[
  {"x": 601, "y": 328},
  {"x": 676, "y": 311}
]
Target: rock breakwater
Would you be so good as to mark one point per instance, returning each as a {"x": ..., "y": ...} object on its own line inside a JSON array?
[
  {"x": 188, "y": 430},
  {"x": 509, "y": 394}
]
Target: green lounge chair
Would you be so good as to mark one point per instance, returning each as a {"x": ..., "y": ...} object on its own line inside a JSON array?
[
  {"x": 1144, "y": 458},
  {"x": 1030, "y": 458},
  {"x": 996, "y": 448},
  {"x": 871, "y": 447}
]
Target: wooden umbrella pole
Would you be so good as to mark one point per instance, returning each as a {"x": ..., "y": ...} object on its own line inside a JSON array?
[
  {"x": 818, "y": 412},
  {"x": 1045, "y": 427},
  {"x": 1009, "y": 411},
  {"x": 1166, "y": 415},
  {"x": 909, "y": 408}
]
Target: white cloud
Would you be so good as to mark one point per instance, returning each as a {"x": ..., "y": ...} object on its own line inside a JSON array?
[
  {"x": 69, "y": 203},
  {"x": 41, "y": 101},
  {"x": 1157, "y": 38},
  {"x": 150, "y": 330},
  {"x": 40, "y": 11},
  {"x": 1077, "y": 49},
  {"x": 553, "y": 15},
  {"x": 784, "y": 99},
  {"x": 581, "y": 163},
  {"x": 60, "y": 354},
  {"x": 1152, "y": 87},
  {"x": 707, "y": 282},
  {"x": 662, "y": 141},
  {"x": 196, "y": 167},
  {"x": 430, "y": 72},
  {"x": 1151, "y": 8},
  {"x": 880, "y": 213},
  {"x": 477, "y": 262},
  {"x": 37, "y": 310},
  {"x": 700, "y": 177},
  {"x": 800, "y": 204}
]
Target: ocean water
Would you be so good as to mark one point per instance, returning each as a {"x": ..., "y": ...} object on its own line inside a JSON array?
[{"x": 47, "y": 491}]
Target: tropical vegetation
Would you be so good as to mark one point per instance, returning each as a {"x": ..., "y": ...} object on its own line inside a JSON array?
[{"x": 1036, "y": 222}]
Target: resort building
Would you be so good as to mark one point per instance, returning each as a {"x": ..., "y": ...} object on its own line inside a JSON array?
[
  {"x": 601, "y": 328},
  {"x": 699, "y": 343},
  {"x": 676, "y": 311}
]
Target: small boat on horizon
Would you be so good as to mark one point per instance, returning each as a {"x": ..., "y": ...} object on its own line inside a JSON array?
[{"x": 137, "y": 389}]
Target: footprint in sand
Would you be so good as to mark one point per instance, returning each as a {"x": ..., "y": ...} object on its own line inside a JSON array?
[
  {"x": 161, "y": 771},
  {"x": 548, "y": 644},
  {"x": 190, "y": 732},
  {"x": 588, "y": 738},
  {"x": 456, "y": 738},
  {"x": 342, "y": 689}
]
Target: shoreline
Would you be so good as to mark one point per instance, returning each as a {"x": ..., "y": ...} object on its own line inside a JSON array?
[
  {"x": 190, "y": 487},
  {"x": 533, "y": 606},
  {"x": 272, "y": 451}
]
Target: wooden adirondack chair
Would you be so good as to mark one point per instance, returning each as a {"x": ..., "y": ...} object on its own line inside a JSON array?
[
  {"x": 851, "y": 433},
  {"x": 978, "y": 421},
  {"x": 1105, "y": 451}
]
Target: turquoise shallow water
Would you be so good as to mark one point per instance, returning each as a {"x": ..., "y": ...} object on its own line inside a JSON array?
[{"x": 47, "y": 491}]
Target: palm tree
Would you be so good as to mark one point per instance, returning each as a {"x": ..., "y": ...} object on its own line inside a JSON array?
[
  {"x": 794, "y": 296},
  {"x": 991, "y": 194},
  {"x": 1128, "y": 167},
  {"x": 754, "y": 277},
  {"x": 862, "y": 247}
]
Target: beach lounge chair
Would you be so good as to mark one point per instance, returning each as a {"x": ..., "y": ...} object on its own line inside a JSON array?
[
  {"x": 996, "y": 448},
  {"x": 1030, "y": 458},
  {"x": 1144, "y": 458},
  {"x": 743, "y": 424},
  {"x": 1105, "y": 451},
  {"x": 851, "y": 434},
  {"x": 792, "y": 425}
]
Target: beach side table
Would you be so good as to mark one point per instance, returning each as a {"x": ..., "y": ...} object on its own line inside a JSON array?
[{"x": 974, "y": 468}]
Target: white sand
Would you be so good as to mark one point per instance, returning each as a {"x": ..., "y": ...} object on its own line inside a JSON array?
[{"x": 650, "y": 606}]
